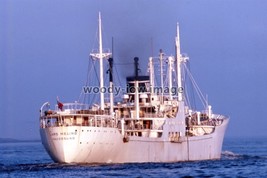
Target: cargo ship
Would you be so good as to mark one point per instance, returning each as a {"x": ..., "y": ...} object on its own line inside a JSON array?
[{"x": 153, "y": 122}]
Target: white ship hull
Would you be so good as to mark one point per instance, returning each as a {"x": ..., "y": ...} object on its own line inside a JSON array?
[{"x": 82, "y": 144}]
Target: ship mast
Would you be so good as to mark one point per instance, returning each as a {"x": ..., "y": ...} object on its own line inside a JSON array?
[
  {"x": 101, "y": 63},
  {"x": 161, "y": 73},
  {"x": 151, "y": 73},
  {"x": 136, "y": 86},
  {"x": 170, "y": 61},
  {"x": 179, "y": 60},
  {"x": 100, "y": 55},
  {"x": 110, "y": 60}
]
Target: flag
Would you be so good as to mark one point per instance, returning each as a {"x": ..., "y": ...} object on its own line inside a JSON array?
[{"x": 59, "y": 104}]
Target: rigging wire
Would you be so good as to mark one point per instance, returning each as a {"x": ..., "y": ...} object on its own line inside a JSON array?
[
  {"x": 190, "y": 96},
  {"x": 124, "y": 63},
  {"x": 191, "y": 88},
  {"x": 90, "y": 76},
  {"x": 187, "y": 100},
  {"x": 118, "y": 77},
  {"x": 198, "y": 91},
  {"x": 89, "y": 70}
]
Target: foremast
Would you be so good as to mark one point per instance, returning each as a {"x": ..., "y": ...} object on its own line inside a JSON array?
[{"x": 100, "y": 56}]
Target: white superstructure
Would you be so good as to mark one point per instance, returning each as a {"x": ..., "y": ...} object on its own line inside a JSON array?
[{"x": 151, "y": 124}]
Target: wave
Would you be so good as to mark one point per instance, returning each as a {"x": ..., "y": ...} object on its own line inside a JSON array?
[
  {"x": 28, "y": 167},
  {"x": 231, "y": 155},
  {"x": 43, "y": 166},
  {"x": 229, "y": 159}
]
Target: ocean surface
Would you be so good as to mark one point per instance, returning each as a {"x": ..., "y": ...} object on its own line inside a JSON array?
[{"x": 245, "y": 157}]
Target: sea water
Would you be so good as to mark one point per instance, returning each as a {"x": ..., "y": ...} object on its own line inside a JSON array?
[{"x": 241, "y": 157}]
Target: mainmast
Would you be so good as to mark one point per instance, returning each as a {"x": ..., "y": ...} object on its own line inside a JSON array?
[
  {"x": 100, "y": 55},
  {"x": 101, "y": 62},
  {"x": 179, "y": 60}
]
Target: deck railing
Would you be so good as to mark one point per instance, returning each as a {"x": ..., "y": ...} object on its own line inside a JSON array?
[
  {"x": 91, "y": 121},
  {"x": 72, "y": 107}
]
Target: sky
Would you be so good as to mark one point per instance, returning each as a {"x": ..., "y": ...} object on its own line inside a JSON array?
[{"x": 45, "y": 47}]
